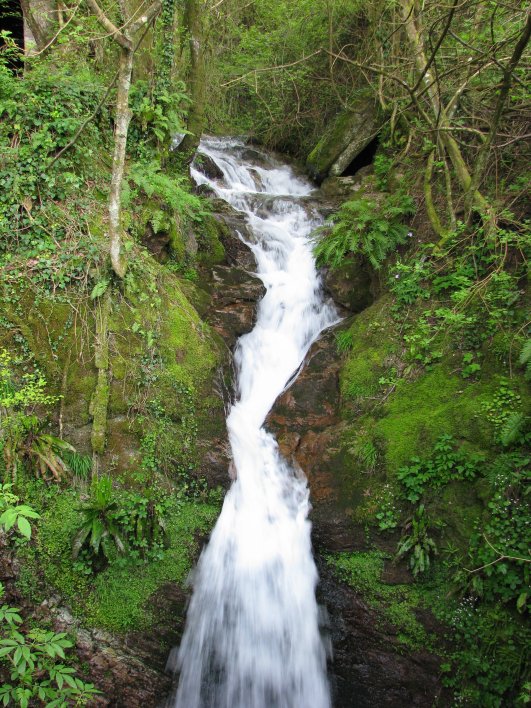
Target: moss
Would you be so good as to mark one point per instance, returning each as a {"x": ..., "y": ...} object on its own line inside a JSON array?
[
  {"x": 98, "y": 409},
  {"x": 396, "y": 604},
  {"x": 209, "y": 234},
  {"x": 117, "y": 599},
  {"x": 373, "y": 347},
  {"x": 419, "y": 411},
  {"x": 343, "y": 130}
]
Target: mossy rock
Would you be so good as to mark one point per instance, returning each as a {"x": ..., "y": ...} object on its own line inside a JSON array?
[
  {"x": 348, "y": 135},
  {"x": 421, "y": 410},
  {"x": 373, "y": 349}
]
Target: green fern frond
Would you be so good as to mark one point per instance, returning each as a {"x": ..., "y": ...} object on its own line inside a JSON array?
[
  {"x": 525, "y": 359},
  {"x": 512, "y": 429}
]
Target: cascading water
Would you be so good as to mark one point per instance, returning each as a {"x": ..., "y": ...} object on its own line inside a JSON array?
[{"x": 252, "y": 636}]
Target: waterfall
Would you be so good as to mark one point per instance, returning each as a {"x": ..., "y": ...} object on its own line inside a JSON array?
[{"x": 252, "y": 636}]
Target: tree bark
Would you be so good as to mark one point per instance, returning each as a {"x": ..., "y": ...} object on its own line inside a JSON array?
[
  {"x": 121, "y": 128},
  {"x": 40, "y": 18},
  {"x": 193, "y": 24},
  {"x": 483, "y": 156}
]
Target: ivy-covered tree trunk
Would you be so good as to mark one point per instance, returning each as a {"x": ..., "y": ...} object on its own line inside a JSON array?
[{"x": 193, "y": 23}]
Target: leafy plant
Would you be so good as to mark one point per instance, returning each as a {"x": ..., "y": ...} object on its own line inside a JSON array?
[
  {"x": 502, "y": 412},
  {"x": 143, "y": 522},
  {"x": 13, "y": 514},
  {"x": 416, "y": 543},
  {"x": 444, "y": 465},
  {"x": 513, "y": 430},
  {"x": 499, "y": 547},
  {"x": 176, "y": 200},
  {"x": 35, "y": 661},
  {"x": 79, "y": 465},
  {"x": 525, "y": 358},
  {"x": 344, "y": 341},
  {"x": 406, "y": 281},
  {"x": 21, "y": 436},
  {"x": 364, "y": 226},
  {"x": 470, "y": 366},
  {"x": 157, "y": 116},
  {"x": 100, "y": 529}
]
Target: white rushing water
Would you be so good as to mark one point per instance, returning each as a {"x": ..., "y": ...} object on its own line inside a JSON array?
[{"x": 252, "y": 636}]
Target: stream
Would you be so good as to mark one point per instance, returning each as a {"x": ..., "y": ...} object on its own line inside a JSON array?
[{"x": 252, "y": 636}]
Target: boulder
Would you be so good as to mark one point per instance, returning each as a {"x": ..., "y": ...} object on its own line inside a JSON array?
[
  {"x": 348, "y": 135},
  {"x": 351, "y": 284}
]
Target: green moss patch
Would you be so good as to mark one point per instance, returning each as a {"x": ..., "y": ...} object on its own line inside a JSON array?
[
  {"x": 117, "y": 599},
  {"x": 396, "y": 604}
]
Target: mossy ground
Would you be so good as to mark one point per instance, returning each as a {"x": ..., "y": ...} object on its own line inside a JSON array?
[
  {"x": 396, "y": 603},
  {"x": 118, "y": 598}
]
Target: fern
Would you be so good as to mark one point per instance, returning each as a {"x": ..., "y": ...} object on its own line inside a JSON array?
[
  {"x": 169, "y": 190},
  {"x": 525, "y": 359},
  {"x": 512, "y": 429},
  {"x": 363, "y": 226}
]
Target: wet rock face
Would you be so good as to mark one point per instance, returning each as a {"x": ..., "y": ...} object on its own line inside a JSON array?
[
  {"x": 369, "y": 666},
  {"x": 235, "y": 293}
]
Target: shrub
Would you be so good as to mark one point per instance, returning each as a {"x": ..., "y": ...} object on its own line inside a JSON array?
[{"x": 363, "y": 226}]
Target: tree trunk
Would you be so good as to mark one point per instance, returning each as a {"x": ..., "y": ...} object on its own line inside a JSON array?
[
  {"x": 194, "y": 28},
  {"x": 40, "y": 22},
  {"x": 441, "y": 119},
  {"x": 123, "y": 117},
  {"x": 483, "y": 156}
]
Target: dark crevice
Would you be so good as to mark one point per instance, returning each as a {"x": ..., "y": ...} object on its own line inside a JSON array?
[
  {"x": 12, "y": 21},
  {"x": 364, "y": 158}
]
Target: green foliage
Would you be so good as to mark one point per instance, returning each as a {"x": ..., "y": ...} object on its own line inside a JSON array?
[
  {"x": 35, "y": 660},
  {"x": 100, "y": 528},
  {"x": 499, "y": 548},
  {"x": 525, "y": 358},
  {"x": 406, "y": 281},
  {"x": 344, "y": 341},
  {"x": 364, "y": 226},
  {"x": 157, "y": 116},
  {"x": 382, "y": 168},
  {"x": 40, "y": 113},
  {"x": 502, "y": 411},
  {"x": 173, "y": 206},
  {"x": 22, "y": 439},
  {"x": 395, "y": 603},
  {"x": 142, "y": 519},
  {"x": 512, "y": 430},
  {"x": 470, "y": 366},
  {"x": 416, "y": 543},
  {"x": 13, "y": 514},
  {"x": 387, "y": 514},
  {"x": 487, "y": 662},
  {"x": 445, "y": 464},
  {"x": 79, "y": 465}
]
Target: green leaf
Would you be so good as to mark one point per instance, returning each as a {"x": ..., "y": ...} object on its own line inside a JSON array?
[
  {"x": 99, "y": 289},
  {"x": 24, "y": 527}
]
